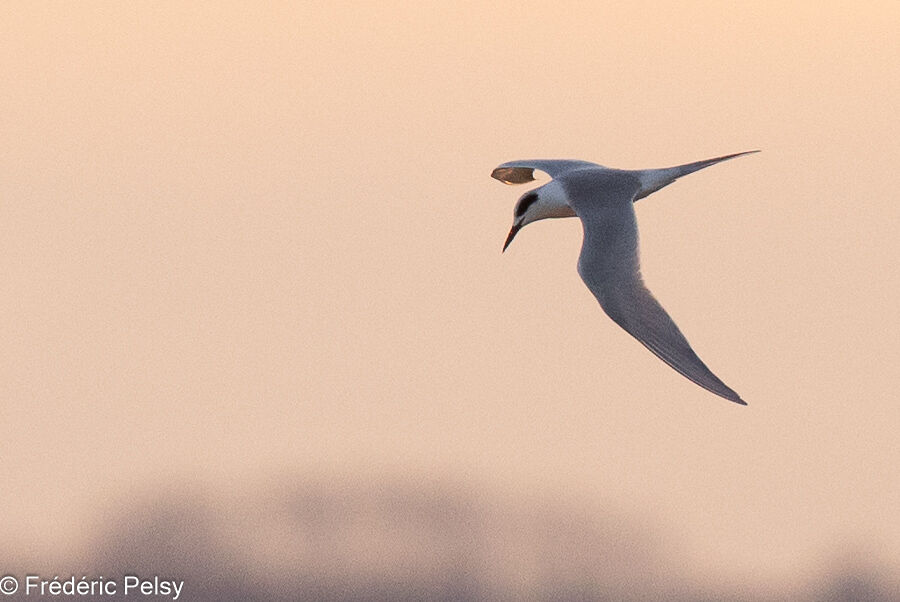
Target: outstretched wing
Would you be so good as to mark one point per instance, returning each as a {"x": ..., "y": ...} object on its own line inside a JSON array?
[
  {"x": 654, "y": 179},
  {"x": 521, "y": 172},
  {"x": 610, "y": 268}
]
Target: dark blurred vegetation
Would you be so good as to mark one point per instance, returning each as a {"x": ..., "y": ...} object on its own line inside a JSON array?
[{"x": 322, "y": 540}]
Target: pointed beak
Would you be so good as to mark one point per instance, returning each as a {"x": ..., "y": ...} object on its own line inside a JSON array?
[{"x": 512, "y": 235}]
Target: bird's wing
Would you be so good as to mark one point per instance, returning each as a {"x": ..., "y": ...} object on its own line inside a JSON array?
[
  {"x": 521, "y": 172},
  {"x": 654, "y": 179},
  {"x": 610, "y": 267}
]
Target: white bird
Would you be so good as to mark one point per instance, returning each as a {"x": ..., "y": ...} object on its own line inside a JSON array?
[{"x": 603, "y": 199}]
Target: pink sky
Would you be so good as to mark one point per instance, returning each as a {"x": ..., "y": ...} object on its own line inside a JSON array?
[{"x": 237, "y": 242}]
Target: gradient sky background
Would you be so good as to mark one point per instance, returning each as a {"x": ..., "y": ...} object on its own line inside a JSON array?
[{"x": 238, "y": 242}]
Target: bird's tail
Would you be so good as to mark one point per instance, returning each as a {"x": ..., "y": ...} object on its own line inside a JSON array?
[{"x": 654, "y": 179}]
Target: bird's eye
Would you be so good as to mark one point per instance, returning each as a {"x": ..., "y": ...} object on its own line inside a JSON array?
[{"x": 526, "y": 202}]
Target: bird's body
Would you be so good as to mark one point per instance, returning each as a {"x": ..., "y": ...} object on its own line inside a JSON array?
[{"x": 603, "y": 199}]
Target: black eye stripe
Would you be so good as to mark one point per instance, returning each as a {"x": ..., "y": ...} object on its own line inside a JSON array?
[{"x": 526, "y": 202}]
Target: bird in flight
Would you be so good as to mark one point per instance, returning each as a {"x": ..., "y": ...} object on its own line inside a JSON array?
[{"x": 603, "y": 199}]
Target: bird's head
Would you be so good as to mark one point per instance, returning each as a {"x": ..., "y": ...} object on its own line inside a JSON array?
[{"x": 541, "y": 203}]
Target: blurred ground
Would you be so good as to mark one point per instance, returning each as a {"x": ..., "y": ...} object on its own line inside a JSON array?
[{"x": 315, "y": 539}]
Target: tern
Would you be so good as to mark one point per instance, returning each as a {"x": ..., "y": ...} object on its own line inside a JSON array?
[{"x": 603, "y": 199}]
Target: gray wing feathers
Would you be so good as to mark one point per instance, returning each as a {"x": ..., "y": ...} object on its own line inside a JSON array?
[
  {"x": 654, "y": 179},
  {"x": 637, "y": 311},
  {"x": 522, "y": 172},
  {"x": 609, "y": 266}
]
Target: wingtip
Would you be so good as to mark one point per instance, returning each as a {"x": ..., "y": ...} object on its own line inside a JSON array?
[
  {"x": 736, "y": 155},
  {"x": 731, "y": 395},
  {"x": 511, "y": 175}
]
